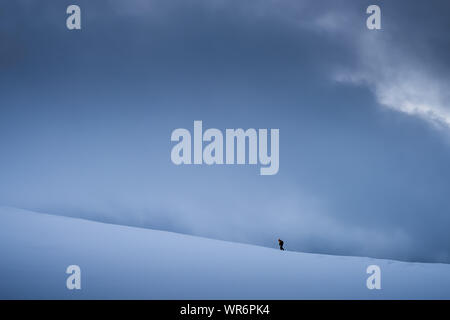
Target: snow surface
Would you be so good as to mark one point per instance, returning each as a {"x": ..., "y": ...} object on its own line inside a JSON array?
[{"x": 133, "y": 263}]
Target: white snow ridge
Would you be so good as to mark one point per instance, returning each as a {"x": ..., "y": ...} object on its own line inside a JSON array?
[{"x": 119, "y": 262}]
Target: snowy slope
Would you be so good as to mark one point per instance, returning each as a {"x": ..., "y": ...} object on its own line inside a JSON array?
[{"x": 126, "y": 262}]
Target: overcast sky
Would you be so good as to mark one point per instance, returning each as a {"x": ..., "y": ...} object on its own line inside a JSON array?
[{"x": 364, "y": 116}]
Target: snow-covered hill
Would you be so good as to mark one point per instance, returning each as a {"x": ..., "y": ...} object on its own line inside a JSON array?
[{"x": 126, "y": 262}]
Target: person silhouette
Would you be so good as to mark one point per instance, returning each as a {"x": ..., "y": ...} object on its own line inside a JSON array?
[{"x": 281, "y": 243}]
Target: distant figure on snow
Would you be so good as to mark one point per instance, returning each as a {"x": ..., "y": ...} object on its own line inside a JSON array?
[{"x": 280, "y": 242}]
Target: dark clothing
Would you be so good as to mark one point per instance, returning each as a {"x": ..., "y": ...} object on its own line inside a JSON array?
[{"x": 281, "y": 243}]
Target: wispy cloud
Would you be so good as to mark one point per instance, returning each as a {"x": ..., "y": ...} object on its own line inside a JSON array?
[{"x": 399, "y": 78}]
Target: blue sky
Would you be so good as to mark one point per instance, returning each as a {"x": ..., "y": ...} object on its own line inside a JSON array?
[{"x": 364, "y": 118}]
